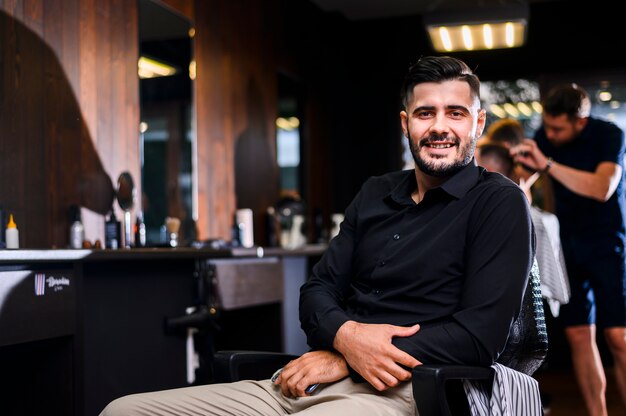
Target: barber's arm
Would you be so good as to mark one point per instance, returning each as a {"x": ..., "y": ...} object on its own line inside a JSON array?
[{"x": 599, "y": 184}]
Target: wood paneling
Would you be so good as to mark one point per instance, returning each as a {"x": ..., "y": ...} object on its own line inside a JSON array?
[
  {"x": 69, "y": 78},
  {"x": 69, "y": 106},
  {"x": 236, "y": 89}
]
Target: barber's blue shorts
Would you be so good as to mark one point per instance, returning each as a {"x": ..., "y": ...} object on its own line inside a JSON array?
[{"x": 597, "y": 276}]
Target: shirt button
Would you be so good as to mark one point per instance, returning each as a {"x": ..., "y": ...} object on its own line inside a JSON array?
[
  {"x": 377, "y": 292},
  {"x": 396, "y": 236},
  {"x": 382, "y": 262}
]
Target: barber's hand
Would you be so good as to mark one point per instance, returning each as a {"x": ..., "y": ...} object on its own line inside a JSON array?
[
  {"x": 368, "y": 350},
  {"x": 312, "y": 367},
  {"x": 527, "y": 153}
]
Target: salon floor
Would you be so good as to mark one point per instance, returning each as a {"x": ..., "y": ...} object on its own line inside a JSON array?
[{"x": 563, "y": 396}]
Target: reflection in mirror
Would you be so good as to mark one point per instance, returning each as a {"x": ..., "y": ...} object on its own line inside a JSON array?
[
  {"x": 166, "y": 129},
  {"x": 288, "y": 135}
]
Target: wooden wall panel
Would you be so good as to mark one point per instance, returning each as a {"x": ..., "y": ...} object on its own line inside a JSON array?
[
  {"x": 70, "y": 111},
  {"x": 236, "y": 91},
  {"x": 76, "y": 130}
]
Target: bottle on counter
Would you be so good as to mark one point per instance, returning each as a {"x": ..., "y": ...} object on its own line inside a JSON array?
[
  {"x": 140, "y": 231},
  {"x": 77, "y": 230},
  {"x": 112, "y": 232},
  {"x": 12, "y": 234}
]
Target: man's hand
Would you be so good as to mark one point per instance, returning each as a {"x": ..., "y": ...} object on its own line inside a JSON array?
[
  {"x": 368, "y": 350},
  {"x": 312, "y": 367},
  {"x": 527, "y": 153},
  {"x": 598, "y": 185}
]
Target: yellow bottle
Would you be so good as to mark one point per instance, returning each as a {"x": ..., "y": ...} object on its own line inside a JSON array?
[{"x": 12, "y": 234}]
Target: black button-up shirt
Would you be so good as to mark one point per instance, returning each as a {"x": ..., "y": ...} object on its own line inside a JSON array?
[{"x": 457, "y": 263}]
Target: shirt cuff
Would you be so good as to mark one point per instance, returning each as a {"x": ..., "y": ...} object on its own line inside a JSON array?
[{"x": 328, "y": 325}]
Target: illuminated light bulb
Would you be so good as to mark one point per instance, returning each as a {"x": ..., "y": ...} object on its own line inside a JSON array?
[
  {"x": 509, "y": 34},
  {"x": 467, "y": 37},
  {"x": 488, "y": 36},
  {"x": 605, "y": 96},
  {"x": 536, "y": 105},
  {"x": 445, "y": 38},
  {"x": 511, "y": 109},
  {"x": 294, "y": 122},
  {"x": 497, "y": 110},
  {"x": 283, "y": 124},
  {"x": 524, "y": 109}
]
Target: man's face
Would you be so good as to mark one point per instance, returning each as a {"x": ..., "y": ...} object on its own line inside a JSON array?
[
  {"x": 560, "y": 129},
  {"x": 442, "y": 122}
]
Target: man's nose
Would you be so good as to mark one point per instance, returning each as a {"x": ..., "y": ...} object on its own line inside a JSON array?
[{"x": 439, "y": 124}]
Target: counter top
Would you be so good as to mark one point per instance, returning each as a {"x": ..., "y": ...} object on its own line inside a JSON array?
[{"x": 67, "y": 255}]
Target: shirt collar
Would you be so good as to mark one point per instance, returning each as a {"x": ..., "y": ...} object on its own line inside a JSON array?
[{"x": 457, "y": 185}]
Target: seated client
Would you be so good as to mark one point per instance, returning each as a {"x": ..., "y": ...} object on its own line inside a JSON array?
[{"x": 429, "y": 266}]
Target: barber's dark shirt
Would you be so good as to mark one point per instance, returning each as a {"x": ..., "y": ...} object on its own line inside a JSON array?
[
  {"x": 595, "y": 222},
  {"x": 457, "y": 263}
]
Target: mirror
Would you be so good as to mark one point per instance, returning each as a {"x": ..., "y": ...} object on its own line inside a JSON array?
[
  {"x": 125, "y": 195},
  {"x": 288, "y": 139},
  {"x": 166, "y": 131}
]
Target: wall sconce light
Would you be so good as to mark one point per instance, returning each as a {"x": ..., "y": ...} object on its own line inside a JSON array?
[{"x": 479, "y": 29}]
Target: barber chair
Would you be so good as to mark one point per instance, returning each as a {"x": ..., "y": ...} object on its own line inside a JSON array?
[
  {"x": 437, "y": 389},
  {"x": 223, "y": 286}
]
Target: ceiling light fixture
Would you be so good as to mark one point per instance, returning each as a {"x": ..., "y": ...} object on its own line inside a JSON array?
[
  {"x": 479, "y": 29},
  {"x": 151, "y": 68}
]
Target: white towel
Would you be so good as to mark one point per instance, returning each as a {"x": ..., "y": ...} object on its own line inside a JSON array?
[
  {"x": 553, "y": 274},
  {"x": 513, "y": 394}
]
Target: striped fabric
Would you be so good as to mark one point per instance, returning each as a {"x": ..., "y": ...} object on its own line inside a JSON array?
[
  {"x": 513, "y": 394},
  {"x": 554, "y": 280}
]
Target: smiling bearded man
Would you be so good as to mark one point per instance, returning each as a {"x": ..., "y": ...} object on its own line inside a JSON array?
[{"x": 429, "y": 266}]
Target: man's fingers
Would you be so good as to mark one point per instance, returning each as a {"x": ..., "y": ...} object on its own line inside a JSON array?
[
  {"x": 383, "y": 379},
  {"x": 404, "y": 331},
  {"x": 404, "y": 359},
  {"x": 377, "y": 383},
  {"x": 294, "y": 387},
  {"x": 399, "y": 373}
]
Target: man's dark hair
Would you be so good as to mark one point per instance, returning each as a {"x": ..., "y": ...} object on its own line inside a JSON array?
[
  {"x": 506, "y": 130},
  {"x": 567, "y": 99},
  {"x": 499, "y": 152},
  {"x": 438, "y": 69}
]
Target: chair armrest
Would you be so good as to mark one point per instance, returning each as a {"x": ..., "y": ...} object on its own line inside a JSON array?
[
  {"x": 430, "y": 388},
  {"x": 235, "y": 365}
]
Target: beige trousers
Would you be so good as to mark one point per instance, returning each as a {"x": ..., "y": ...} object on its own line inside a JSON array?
[{"x": 261, "y": 398}]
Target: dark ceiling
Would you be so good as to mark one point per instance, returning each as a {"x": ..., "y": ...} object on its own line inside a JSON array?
[{"x": 378, "y": 9}]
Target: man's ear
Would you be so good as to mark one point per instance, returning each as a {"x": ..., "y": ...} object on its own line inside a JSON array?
[
  {"x": 480, "y": 123},
  {"x": 580, "y": 123},
  {"x": 404, "y": 120}
]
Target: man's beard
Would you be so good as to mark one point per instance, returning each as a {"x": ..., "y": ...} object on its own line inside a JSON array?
[{"x": 440, "y": 168}]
